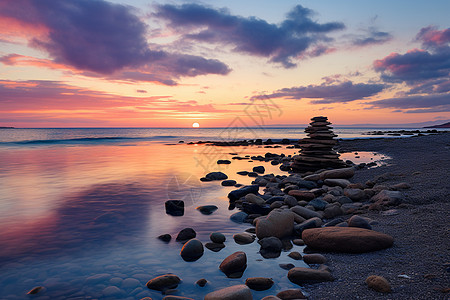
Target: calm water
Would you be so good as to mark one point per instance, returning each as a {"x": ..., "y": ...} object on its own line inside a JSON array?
[{"x": 80, "y": 210}]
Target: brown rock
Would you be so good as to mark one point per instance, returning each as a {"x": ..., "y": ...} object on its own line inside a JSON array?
[
  {"x": 234, "y": 264},
  {"x": 235, "y": 292},
  {"x": 163, "y": 282},
  {"x": 291, "y": 294},
  {"x": 302, "y": 195},
  {"x": 277, "y": 223},
  {"x": 295, "y": 255},
  {"x": 259, "y": 283},
  {"x": 314, "y": 258},
  {"x": 346, "y": 239},
  {"x": 378, "y": 283},
  {"x": 301, "y": 275},
  {"x": 338, "y": 173}
]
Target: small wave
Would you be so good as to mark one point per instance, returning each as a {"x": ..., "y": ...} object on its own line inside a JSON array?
[{"x": 89, "y": 140}]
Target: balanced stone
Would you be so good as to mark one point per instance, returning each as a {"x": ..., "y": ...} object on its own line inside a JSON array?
[{"x": 317, "y": 149}]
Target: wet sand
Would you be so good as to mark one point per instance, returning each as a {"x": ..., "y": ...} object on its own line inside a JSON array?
[{"x": 420, "y": 229}]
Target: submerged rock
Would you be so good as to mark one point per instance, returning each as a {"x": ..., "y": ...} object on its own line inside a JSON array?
[
  {"x": 207, "y": 209},
  {"x": 163, "y": 282},
  {"x": 174, "y": 207},
  {"x": 236, "y": 292},
  {"x": 216, "y": 176},
  {"x": 237, "y": 194},
  {"x": 192, "y": 250},
  {"x": 234, "y": 265},
  {"x": 186, "y": 234},
  {"x": 217, "y": 237}
]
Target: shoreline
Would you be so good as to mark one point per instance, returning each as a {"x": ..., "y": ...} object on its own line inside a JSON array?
[{"x": 420, "y": 229}]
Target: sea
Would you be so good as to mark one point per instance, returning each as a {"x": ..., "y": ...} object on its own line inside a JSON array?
[{"x": 81, "y": 209}]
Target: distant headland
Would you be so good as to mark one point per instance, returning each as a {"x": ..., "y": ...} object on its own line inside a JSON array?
[
  {"x": 446, "y": 125},
  {"x": 3, "y": 127}
]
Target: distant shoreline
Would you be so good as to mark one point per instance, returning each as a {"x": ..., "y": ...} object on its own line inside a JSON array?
[{"x": 4, "y": 127}]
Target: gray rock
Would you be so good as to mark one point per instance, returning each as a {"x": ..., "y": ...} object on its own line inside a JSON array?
[
  {"x": 215, "y": 247},
  {"x": 277, "y": 223},
  {"x": 239, "y": 217},
  {"x": 305, "y": 213},
  {"x": 217, "y": 237},
  {"x": 244, "y": 238},
  {"x": 301, "y": 275},
  {"x": 130, "y": 283},
  {"x": 337, "y": 182},
  {"x": 291, "y": 201},
  {"x": 112, "y": 291},
  {"x": 237, "y": 194},
  {"x": 192, "y": 250},
  {"x": 270, "y": 247},
  {"x": 355, "y": 194},
  {"x": 259, "y": 283},
  {"x": 332, "y": 211},
  {"x": 386, "y": 197},
  {"x": 318, "y": 203},
  {"x": 252, "y": 198},
  {"x": 310, "y": 223},
  {"x": 357, "y": 221},
  {"x": 236, "y": 292},
  {"x": 234, "y": 265},
  {"x": 344, "y": 200},
  {"x": 163, "y": 282}
]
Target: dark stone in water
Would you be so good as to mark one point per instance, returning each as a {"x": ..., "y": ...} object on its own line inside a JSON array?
[
  {"x": 228, "y": 182},
  {"x": 259, "y": 169},
  {"x": 239, "y": 217},
  {"x": 186, "y": 234},
  {"x": 216, "y": 247},
  {"x": 237, "y": 194},
  {"x": 201, "y": 282},
  {"x": 243, "y": 173},
  {"x": 252, "y": 174},
  {"x": 252, "y": 208},
  {"x": 192, "y": 250},
  {"x": 204, "y": 179},
  {"x": 270, "y": 247},
  {"x": 223, "y": 162},
  {"x": 206, "y": 209},
  {"x": 175, "y": 207},
  {"x": 216, "y": 176},
  {"x": 163, "y": 282},
  {"x": 286, "y": 266},
  {"x": 35, "y": 290},
  {"x": 165, "y": 237}
]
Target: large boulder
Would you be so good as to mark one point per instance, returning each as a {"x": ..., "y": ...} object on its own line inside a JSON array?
[
  {"x": 216, "y": 176},
  {"x": 235, "y": 292},
  {"x": 234, "y": 265},
  {"x": 300, "y": 275},
  {"x": 163, "y": 282},
  {"x": 270, "y": 247},
  {"x": 277, "y": 223},
  {"x": 346, "y": 239},
  {"x": 344, "y": 173}
]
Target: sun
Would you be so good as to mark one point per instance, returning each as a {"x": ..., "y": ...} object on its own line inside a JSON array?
[{"x": 195, "y": 125}]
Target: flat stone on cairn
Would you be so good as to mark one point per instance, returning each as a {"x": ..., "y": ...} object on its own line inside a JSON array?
[{"x": 317, "y": 149}]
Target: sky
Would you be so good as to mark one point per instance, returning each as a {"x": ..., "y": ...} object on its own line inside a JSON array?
[{"x": 136, "y": 63}]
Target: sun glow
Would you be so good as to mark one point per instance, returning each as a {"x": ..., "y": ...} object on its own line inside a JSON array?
[{"x": 195, "y": 125}]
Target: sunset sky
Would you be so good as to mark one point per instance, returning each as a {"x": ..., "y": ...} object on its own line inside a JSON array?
[{"x": 136, "y": 63}]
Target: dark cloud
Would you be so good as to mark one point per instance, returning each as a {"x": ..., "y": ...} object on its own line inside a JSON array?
[
  {"x": 416, "y": 104},
  {"x": 328, "y": 93},
  {"x": 372, "y": 37},
  {"x": 417, "y": 65},
  {"x": 105, "y": 38},
  {"x": 281, "y": 43}
]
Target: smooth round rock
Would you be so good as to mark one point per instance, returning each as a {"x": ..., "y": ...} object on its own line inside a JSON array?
[
  {"x": 277, "y": 223},
  {"x": 378, "y": 283},
  {"x": 165, "y": 237},
  {"x": 259, "y": 283},
  {"x": 295, "y": 255},
  {"x": 228, "y": 182},
  {"x": 346, "y": 239},
  {"x": 207, "y": 209},
  {"x": 192, "y": 250},
  {"x": 186, "y": 234},
  {"x": 163, "y": 282},
  {"x": 215, "y": 247},
  {"x": 217, "y": 237},
  {"x": 173, "y": 297},
  {"x": 299, "y": 275},
  {"x": 243, "y": 238},
  {"x": 201, "y": 282},
  {"x": 270, "y": 247},
  {"x": 360, "y": 222},
  {"x": 234, "y": 264},
  {"x": 314, "y": 258},
  {"x": 236, "y": 292},
  {"x": 291, "y": 294}
]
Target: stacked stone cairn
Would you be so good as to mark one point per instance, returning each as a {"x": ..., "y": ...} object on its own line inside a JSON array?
[{"x": 317, "y": 149}]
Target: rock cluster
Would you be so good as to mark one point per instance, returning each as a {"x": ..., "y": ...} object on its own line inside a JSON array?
[{"x": 317, "y": 149}]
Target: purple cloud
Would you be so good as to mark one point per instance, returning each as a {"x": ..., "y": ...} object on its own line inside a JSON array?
[
  {"x": 328, "y": 93},
  {"x": 373, "y": 37},
  {"x": 104, "y": 38},
  {"x": 416, "y": 104},
  {"x": 418, "y": 65},
  {"x": 280, "y": 43}
]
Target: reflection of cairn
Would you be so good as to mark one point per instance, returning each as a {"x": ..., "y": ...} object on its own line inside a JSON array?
[{"x": 317, "y": 149}]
